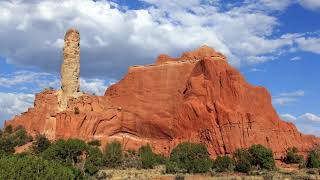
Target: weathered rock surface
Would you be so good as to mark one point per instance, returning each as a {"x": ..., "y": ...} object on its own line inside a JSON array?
[
  {"x": 197, "y": 97},
  {"x": 70, "y": 69}
]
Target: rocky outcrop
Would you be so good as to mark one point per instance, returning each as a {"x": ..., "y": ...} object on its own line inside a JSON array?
[
  {"x": 70, "y": 68},
  {"x": 197, "y": 97}
]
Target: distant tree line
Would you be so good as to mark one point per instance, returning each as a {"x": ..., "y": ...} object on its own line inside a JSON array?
[{"x": 77, "y": 159}]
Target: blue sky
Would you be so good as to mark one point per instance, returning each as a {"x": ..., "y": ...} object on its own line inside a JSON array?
[{"x": 275, "y": 44}]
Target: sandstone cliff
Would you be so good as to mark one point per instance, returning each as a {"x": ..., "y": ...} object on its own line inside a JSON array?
[{"x": 197, "y": 97}]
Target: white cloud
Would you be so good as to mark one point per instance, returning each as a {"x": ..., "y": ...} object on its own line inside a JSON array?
[
  {"x": 288, "y": 117},
  {"x": 310, "y": 4},
  {"x": 297, "y": 93},
  {"x": 270, "y": 5},
  {"x": 94, "y": 86},
  {"x": 310, "y": 44},
  {"x": 19, "y": 77},
  {"x": 310, "y": 117},
  {"x": 14, "y": 103},
  {"x": 296, "y": 58},
  {"x": 113, "y": 38},
  {"x": 307, "y": 123},
  {"x": 283, "y": 100},
  {"x": 31, "y": 82},
  {"x": 277, "y": 5},
  {"x": 287, "y": 97},
  {"x": 257, "y": 70}
]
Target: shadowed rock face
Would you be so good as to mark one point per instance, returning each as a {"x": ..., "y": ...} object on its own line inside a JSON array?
[
  {"x": 70, "y": 68},
  {"x": 197, "y": 97}
]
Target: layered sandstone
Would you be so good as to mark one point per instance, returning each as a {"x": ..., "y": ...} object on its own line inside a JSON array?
[
  {"x": 197, "y": 97},
  {"x": 70, "y": 68}
]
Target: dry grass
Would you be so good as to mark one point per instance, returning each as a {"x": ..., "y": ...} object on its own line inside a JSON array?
[
  {"x": 158, "y": 174},
  {"x": 138, "y": 174}
]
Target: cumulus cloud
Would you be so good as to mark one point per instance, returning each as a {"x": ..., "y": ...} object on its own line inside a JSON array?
[
  {"x": 308, "y": 123},
  {"x": 310, "y": 4},
  {"x": 287, "y": 97},
  {"x": 311, "y": 44},
  {"x": 32, "y": 82},
  {"x": 113, "y": 37},
  {"x": 94, "y": 86},
  {"x": 14, "y": 103},
  {"x": 288, "y": 117},
  {"x": 310, "y": 117}
]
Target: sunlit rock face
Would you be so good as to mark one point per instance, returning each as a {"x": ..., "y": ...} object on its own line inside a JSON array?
[
  {"x": 197, "y": 97},
  {"x": 70, "y": 68}
]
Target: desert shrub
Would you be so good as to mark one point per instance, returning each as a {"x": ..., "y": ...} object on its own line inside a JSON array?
[
  {"x": 7, "y": 144},
  {"x": 261, "y": 157},
  {"x": 21, "y": 137},
  {"x": 160, "y": 159},
  {"x": 27, "y": 167},
  {"x": 40, "y": 144},
  {"x": 313, "y": 159},
  {"x": 11, "y": 138},
  {"x": 223, "y": 164},
  {"x": 94, "y": 161},
  {"x": 67, "y": 152},
  {"x": 8, "y": 129},
  {"x": 147, "y": 157},
  {"x": 131, "y": 159},
  {"x": 189, "y": 157},
  {"x": 242, "y": 160},
  {"x": 94, "y": 143},
  {"x": 113, "y": 154},
  {"x": 292, "y": 156}
]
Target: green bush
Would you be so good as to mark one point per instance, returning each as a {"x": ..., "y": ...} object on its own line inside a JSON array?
[
  {"x": 8, "y": 129},
  {"x": 7, "y": 144},
  {"x": 94, "y": 161},
  {"x": 242, "y": 159},
  {"x": 94, "y": 143},
  {"x": 113, "y": 154},
  {"x": 147, "y": 157},
  {"x": 67, "y": 152},
  {"x": 189, "y": 157},
  {"x": 261, "y": 157},
  {"x": 160, "y": 159},
  {"x": 223, "y": 164},
  {"x": 292, "y": 156},
  {"x": 27, "y": 167},
  {"x": 40, "y": 144},
  {"x": 10, "y": 138},
  {"x": 313, "y": 160},
  {"x": 21, "y": 137},
  {"x": 131, "y": 159}
]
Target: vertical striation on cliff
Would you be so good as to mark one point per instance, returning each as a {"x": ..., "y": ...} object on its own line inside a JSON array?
[{"x": 70, "y": 69}]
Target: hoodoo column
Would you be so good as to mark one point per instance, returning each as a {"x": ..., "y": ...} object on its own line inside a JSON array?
[{"x": 70, "y": 68}]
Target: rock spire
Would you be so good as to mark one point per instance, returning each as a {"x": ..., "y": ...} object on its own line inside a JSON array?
[{"x": 70, "y": 68}]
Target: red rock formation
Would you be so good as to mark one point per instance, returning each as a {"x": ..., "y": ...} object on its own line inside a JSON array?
[{"x": 197, "y": 97}]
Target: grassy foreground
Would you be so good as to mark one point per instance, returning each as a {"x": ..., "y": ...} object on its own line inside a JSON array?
[{"x": 158, "y": 173}]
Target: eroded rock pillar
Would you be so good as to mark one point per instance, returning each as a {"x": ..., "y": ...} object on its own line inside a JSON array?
[{"x": 70, "y": 69}]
